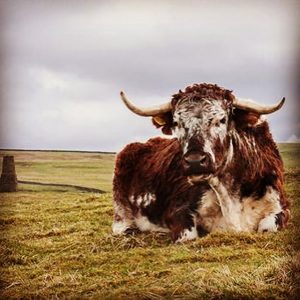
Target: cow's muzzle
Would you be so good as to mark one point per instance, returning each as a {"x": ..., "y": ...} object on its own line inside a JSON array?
[{"x": 197, "y": 166}]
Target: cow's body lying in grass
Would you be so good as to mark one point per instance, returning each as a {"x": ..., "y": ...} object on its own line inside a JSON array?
[{"x": 223, "y": 170}]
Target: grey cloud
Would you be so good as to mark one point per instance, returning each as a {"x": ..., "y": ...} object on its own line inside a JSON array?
[{"x": 60, "y": 55}]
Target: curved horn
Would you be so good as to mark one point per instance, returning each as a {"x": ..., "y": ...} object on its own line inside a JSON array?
[
  {"x": 147, "y": 112},
  {"x": 257, "y": 108}
]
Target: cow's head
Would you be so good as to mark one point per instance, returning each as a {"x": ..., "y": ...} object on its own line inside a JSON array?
[{"x": 201, "y": 118}]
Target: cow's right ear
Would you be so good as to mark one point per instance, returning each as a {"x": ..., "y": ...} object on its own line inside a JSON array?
[{"x": 164, "y": 121}]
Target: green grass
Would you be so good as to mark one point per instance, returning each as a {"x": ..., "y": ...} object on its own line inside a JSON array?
[
  {"x": 57, "y": 243},
  {"x": 92, "y": 170}
]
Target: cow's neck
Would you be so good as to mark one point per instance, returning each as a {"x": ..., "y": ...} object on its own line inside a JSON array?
[{"x": 252, "y": 158}]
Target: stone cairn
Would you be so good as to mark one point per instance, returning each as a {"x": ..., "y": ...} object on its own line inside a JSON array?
[{"x": 8, "y": 180}]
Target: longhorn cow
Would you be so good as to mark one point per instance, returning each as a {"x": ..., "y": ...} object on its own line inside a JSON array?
[{"x": 222, "y": 171}]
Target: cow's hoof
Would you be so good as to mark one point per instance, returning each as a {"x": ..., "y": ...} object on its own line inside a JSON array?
[
  {"x": 187, "y": 235},
  {"x": 121, "y": 227},
  {"x": 268, "y": 224},
  {"x": 282, "y": 219}
]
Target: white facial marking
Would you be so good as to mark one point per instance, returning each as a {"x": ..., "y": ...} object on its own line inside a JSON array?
[{"x": 206, "y": 119}]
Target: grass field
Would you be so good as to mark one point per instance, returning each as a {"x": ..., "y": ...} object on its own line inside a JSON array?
[{"x": 56, "y": 242}]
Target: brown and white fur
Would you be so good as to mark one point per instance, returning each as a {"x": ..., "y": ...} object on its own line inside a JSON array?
[{"x": 223, "y": 171}]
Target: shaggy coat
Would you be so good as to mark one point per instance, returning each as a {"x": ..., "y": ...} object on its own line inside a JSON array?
[{"x": 151, "y": 190}]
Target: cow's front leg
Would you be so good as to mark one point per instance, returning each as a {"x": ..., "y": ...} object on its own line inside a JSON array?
[
  {"x": 187, "y": 234},
  {"x": 274, "y": 222},
  {"x": 274, "y": 217},
  {"x": 123, "y": 220},
  {"x": 282, "y": 218},
  {"x": 268, "y": 224},
  {"x": 182, "y": 225}
]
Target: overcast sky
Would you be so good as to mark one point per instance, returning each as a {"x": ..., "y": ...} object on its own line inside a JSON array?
[{"x": 63, "y": 64}]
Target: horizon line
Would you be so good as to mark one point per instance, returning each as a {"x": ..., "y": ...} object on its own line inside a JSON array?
[
  {"x": 91, "y": 151},
  {"x": 58, "y": 150}
]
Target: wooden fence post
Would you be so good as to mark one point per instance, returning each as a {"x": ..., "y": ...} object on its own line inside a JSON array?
[{"x": 8, "y": 179}]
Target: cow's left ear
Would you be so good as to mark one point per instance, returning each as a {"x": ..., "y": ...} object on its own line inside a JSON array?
[
  {"x": 164, "y": 121},
  {"x": 245, "y": 119}
]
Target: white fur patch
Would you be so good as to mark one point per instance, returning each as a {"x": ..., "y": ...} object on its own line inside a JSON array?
[
  {"x": 123, "y": 219},
  {"x": 188, "y": 235},
  {"x": 200, "y": 119},
  {"x": 254, "y": 211},
  {"x": 143, "y": 224},
  {"x": 131, "y": 199},
  {"x": 220, "y": 211},
  {"x": 268, "y": 224},
  {"x": 121, "y": 226},
  {"x": 143, "y": 200},
  {"x": 229, "y": 154},
  {"x": 229, "y": 206},
  {"x": 179, "y": 132},
  {"x": 139, "y": 200}
]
